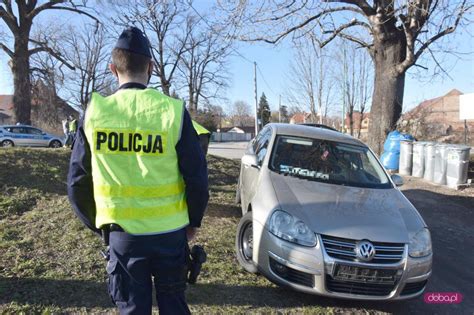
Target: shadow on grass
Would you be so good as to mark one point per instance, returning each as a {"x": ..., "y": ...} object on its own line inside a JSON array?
[
  {"x": 275, "y": 297},
  {"x": 62, "y": 293},
  {"x": 41, "y": 169},
  {"x": 223, "y": 211},
  {"x": 90, "y": 294}
]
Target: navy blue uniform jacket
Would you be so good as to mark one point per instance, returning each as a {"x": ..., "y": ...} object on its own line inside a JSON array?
[{"x": 191, "y": 161}]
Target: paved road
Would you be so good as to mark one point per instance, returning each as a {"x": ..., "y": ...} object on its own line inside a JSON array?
[
  {"x": 230, "y": 150},
  {"x": 449, "y": 215}
]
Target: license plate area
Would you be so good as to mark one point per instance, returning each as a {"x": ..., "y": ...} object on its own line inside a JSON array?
[{"x": 364, "y": 275}]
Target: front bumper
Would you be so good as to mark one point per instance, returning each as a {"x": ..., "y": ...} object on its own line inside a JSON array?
[{"x": 311, "y": 270}]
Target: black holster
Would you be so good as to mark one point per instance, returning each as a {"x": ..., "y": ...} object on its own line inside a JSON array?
[
  {"x": 106, "y": 239},
  {"x": 196, "y": 257}
]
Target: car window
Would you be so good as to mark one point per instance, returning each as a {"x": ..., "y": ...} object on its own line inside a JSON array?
[
  {"x": 33, "y": 131},
  {"x": 258, "y": 140},
  {"x": 327, "y": 161},
  {"x": 262, "y": 145},
  {"x": 17, "y": 130}
]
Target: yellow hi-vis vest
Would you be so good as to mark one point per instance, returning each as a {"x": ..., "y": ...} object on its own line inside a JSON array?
[
  {"x": 132, "y": 135},
  {"x": 73, "y": 125}
]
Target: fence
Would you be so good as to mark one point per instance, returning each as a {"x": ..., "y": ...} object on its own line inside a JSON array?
[{"x": 230, "y": 136}]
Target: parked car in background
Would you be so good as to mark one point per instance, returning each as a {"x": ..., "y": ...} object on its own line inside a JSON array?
[
  {"x": 27, "y": 136},
  {"x": 321, "y": 215}
]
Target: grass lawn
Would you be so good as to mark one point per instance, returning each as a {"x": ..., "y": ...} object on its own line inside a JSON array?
[{"x": 50, "y": 263}]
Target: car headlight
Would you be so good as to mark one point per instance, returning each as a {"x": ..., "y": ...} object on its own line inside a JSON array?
[
  {"x": 420, "y": 244},
  {"x": 291, "y": 229}
]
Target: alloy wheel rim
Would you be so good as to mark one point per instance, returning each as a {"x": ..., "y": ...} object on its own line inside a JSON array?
[{"x": 247, "y": 242}]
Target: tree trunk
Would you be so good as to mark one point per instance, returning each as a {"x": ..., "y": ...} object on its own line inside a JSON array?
[
  {"x": 351, "y": 119},
  {"x": 387, "y": 99},
  {"x": 21, "y": 80},
  {"x": 165, "y": 87}
]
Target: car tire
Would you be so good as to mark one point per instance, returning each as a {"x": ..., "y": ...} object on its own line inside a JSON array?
[
  {"x": 7, "y": 143},
  {"x": 244, "y": 243},
  {"x": 55, "y": 144}
]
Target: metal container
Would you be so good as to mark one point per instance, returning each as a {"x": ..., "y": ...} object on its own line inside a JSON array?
[
  {"x": 440, "y": 164},
  {"x": 406, "y": 157},
  {"x": 418, "y": 159},
  {"x": 429, "y": 161},
  {"x": 457, "y": 165}
]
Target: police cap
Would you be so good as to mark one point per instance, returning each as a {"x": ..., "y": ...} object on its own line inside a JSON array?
[{"x": 135, "y": 41}]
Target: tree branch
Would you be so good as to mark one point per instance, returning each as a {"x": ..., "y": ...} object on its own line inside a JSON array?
[
  {"x": 9, "y": 19},
  {"x": 51, "y": 6},
  {"x": 43, "y": 48},
  {"x": 336, "y": 32},
  {"x": 301, "y": 25},
  {"x": 362, "y": 4},
  {"x": 358, "y": 41},
  {"x": 6, "y": 50},
  {"x": 411, "y": 56}
]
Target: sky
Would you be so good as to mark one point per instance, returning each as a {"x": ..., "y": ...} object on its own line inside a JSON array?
[{"x": 274, "y": 62}]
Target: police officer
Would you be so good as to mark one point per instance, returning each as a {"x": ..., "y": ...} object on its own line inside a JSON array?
[
  {"x": 138, "y": 171},
  {"x": 72, "y": 128}
]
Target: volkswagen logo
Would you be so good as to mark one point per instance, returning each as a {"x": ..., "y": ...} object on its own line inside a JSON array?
[{"x": 365, "y": 251}]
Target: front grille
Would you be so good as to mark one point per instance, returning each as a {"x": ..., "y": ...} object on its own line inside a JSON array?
[
  {"x": 292, "y": 275},
  {"x": 343, "y": 248},
  {"x": 413, "y": 287},
  {"x": 372, "y": 289}
]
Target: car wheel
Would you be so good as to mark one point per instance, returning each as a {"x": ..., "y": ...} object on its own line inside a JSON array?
[
  {"x": 244, "y": 243},
  {"x": 55, "y": 144},
  {"x": 7, "y": 143}
]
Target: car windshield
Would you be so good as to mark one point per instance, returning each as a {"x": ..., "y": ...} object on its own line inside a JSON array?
[{"x": 327, "y": 161}]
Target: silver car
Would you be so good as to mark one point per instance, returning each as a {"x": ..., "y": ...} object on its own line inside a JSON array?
[
  {"x": 27, "y": 136},
  {"x": 322, "y": 216}
]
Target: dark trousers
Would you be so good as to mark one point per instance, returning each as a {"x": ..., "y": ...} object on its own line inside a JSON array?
[{"x": 138, "y": 262}]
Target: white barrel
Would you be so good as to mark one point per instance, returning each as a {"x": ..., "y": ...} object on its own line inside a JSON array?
[
  {"x": 429, "y": 161},
  {"x": 440, "y": 164},
  {"x": 457, "y": 165},
  {"x": 418, "y": 159},
  {"x": 406, "y": 157}
]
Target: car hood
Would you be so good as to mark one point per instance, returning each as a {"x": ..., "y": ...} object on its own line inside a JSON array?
[{"x": 379, "y": 215}]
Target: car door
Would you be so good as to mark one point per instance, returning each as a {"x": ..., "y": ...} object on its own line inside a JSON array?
[
  {"x": 251, "y": 174},
  {"x": 36, "y": 137},
  {"x": 19, "y": 136}
]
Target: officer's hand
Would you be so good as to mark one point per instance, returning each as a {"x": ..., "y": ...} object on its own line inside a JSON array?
[{"x": 191, "y": 233}]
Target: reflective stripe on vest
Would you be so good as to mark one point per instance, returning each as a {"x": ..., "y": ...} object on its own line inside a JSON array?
[{"x": 132, "y": 135}]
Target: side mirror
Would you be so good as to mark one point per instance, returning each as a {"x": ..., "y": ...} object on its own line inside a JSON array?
[
  {"x": 250, "y": 160},
  {"x": 43, "y": 133},
  {"x": 397, "y": 180}
]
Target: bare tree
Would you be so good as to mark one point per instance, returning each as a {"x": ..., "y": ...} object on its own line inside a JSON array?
[
  {"x": 309, "y": 79},
  {"x": 240, "y": 111},
  {"x": 163, "y": 22},
  {"x": 395, "y": 33},
  {"x": 19, "y": 21},
  {"x": 87, "y": 49},
  {"x": 203, "y": 63},
  {"x": 354, "y": 77}
]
